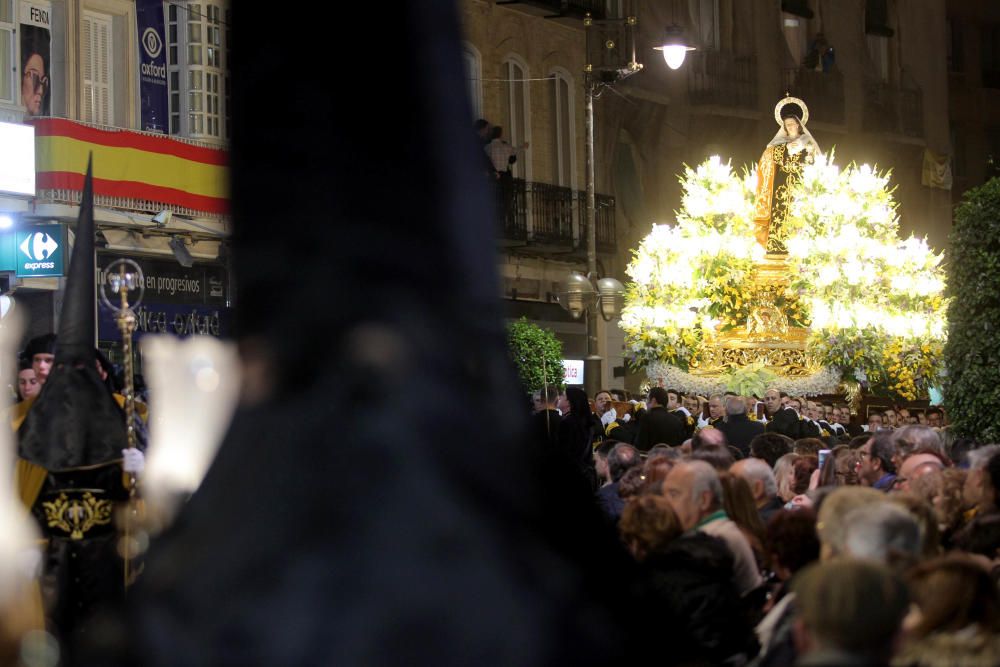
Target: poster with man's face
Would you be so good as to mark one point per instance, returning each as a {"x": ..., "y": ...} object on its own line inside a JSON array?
[{"x": 35, "y": 37}]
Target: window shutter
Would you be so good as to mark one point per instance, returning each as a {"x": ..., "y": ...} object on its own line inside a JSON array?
[
  {"x": 98, "y": 92},
  {"x": 6, "y": 63}
]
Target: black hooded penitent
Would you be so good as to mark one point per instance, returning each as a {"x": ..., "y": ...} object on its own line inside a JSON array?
[
  {"x": 383, "y": 505},
  {"x": 71, "y": 439},
  {"x": 75, "y": 422}
]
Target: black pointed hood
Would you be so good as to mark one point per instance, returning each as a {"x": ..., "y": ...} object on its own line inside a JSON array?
[
  {"x": 75, "y": 422},
  {"x": 76, "y": 320},
  {"x": 387, "y": 486}
]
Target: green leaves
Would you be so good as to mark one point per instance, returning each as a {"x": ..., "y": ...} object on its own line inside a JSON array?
[
  {"x": 536, "y": 353},
  {"x": 972, "y": 387}
]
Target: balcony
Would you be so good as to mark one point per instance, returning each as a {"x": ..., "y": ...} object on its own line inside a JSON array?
[
  {"x": 893, "y": 110},
  {"x": 823, "y": 92},
  {"x": 722, "y": 79},
  {"x": 552, "y": 219},
  {"x": 560, "y": 9}
]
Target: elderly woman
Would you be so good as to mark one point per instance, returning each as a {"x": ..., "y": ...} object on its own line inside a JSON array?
[{"x": 779, "y": 169}]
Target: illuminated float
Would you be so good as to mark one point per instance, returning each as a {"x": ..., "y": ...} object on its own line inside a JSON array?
[{"x": 799, "y": 276}]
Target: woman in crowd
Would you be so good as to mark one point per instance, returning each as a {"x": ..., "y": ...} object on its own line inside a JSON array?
[
  {"x": 577, "y": 431},
  {"x": 956, "y": 620},
  {"x": 783, "y": 476},
  {"x": 689, "y": 578},
  {"x": 943, "y": 490}
]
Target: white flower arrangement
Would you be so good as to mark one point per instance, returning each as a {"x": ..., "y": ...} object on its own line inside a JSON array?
[
  {"x": 666, "y": 375},
  {"x": 857, "y": 286}
]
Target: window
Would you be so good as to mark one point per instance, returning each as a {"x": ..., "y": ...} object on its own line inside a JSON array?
[
  {"x": 96, "y": 59},
  {"x": 515, "y": 110},
  {"x": 173, "y": 65},
  {"x": 563, "y": 129},
  {"x": 878, "y": 51},
  {"x": 877, "y": 18},
  {"x": 474, "y": 87},
  {"x": 7, "y": 51},
  {"x": 953, "y": 33},
  {"x": 705, "y": 14},
  {"x": 198, "y": 41},
  {"x": 794, "y": 29},
  {"x": 957, "y": 153},
  {"x": 989, "y": 49}
]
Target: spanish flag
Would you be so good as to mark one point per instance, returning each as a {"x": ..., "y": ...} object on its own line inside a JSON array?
[{"x": 131, "y": 165}]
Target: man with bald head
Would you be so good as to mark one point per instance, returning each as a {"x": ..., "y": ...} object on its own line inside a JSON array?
[
  {"x": 914, "y": 467},
  {"x": 783, "y": 420},
  {"x": 694, "y": 492}
]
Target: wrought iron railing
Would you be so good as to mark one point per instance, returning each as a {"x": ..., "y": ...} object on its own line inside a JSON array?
[
  {"x": 512, "y": 218},
  {"x": 822, "y": 91},
  {"x": 723, "y": 79},
  {"x": 552, "y": 215},
  {"x": 893, "y": 110},
  {"x": 551, "y": 212},
  {"x": 604, "y": 215},
  {"x": 577, "y": 8}
]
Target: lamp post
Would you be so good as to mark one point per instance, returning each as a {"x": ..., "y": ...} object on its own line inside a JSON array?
[{"x": 589, "y": 293}]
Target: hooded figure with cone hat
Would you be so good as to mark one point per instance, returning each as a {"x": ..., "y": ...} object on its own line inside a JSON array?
[{"x": 70, "y": 451}]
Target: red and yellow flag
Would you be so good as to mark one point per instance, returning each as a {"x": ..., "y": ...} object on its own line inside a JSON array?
[{"x": 131, "y": 164}]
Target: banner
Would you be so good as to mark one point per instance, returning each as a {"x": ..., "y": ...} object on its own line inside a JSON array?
[
  {"x": 36, "y": 58},
  {"x": 131, "y": 165},
  {"x": 153, "y": 92}
]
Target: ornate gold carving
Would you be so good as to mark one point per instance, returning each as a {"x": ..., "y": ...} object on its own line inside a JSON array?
[
  {"x": 788, "y": 362},
  {"x": 767, "y": 337},
  {"x": 766, "y": 322},
  {"x": 77, "y": 515}
]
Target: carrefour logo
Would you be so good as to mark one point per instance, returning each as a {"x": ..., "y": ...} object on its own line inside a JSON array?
[
  {"x": 39, "y": 247},
  {"x": 152, "y": 43}
]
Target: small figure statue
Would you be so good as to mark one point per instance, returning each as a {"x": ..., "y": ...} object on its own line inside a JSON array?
[{"x": 779, "y": 169}]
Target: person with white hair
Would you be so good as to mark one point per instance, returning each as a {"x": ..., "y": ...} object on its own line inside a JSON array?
[
  {"x": 738, "y": 428},
  {"x": 760, "y": 478},
  {"x": 695, "y": 494},
  {"x": 884, "y": 532}
]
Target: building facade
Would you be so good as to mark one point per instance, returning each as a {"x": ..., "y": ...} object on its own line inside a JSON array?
[
  {"x": 973, "y": 59},
  {"x": 141, "y": 88},
  {"x": 871, "y": 71}
]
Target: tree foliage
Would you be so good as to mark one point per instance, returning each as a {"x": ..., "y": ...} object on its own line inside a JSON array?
[
  {"x": 972, "y": 353},
  {"x": 537, "y": 354}
]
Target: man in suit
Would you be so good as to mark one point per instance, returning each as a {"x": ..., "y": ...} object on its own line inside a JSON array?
[
  {"x": 660, "y": 424},
  {"x": 738, "y": 428},
  {"x": 783, "y": 420}
]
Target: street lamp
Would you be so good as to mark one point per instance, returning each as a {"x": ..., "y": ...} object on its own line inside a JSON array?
[
  {"x": 583, "y": 294},
  {"x": 580, "y": 290},
  {"x": 675, "y": 47}
]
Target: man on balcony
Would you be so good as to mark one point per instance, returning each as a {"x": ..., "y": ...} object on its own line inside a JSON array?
[{"x": 503, "y": 156}]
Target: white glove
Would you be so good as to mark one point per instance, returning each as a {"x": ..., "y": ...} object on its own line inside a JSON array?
[
  {"x": 133, "y": 461},
  {"x": 626, "y": 417},
  {"x": 608, "y": 417}
]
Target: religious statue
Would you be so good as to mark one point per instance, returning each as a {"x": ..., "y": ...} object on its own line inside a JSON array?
[{"x": 779, "y": 169}]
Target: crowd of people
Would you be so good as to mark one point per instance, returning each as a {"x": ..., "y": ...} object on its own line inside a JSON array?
[{"x": 791, "y": 534}]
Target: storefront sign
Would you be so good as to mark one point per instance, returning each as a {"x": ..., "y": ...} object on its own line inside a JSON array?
[
  {"x": 38, "y": 251},
  {"x": 152, "y": 66},
  {"x": 176, "y": 300},
  {"x": 573, "y": 371}
]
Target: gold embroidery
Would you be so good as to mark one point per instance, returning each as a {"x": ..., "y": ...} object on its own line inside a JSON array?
[{"x": 78, "y": 515}]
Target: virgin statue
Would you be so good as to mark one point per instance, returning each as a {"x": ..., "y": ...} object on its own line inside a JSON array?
[{"x": 779, "y": 169}]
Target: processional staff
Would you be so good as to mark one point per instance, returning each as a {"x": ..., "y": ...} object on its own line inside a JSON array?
[{"x": 124, "y": 276}]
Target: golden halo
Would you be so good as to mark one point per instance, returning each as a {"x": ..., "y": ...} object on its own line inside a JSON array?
[{"x": 790, "y": 100}]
